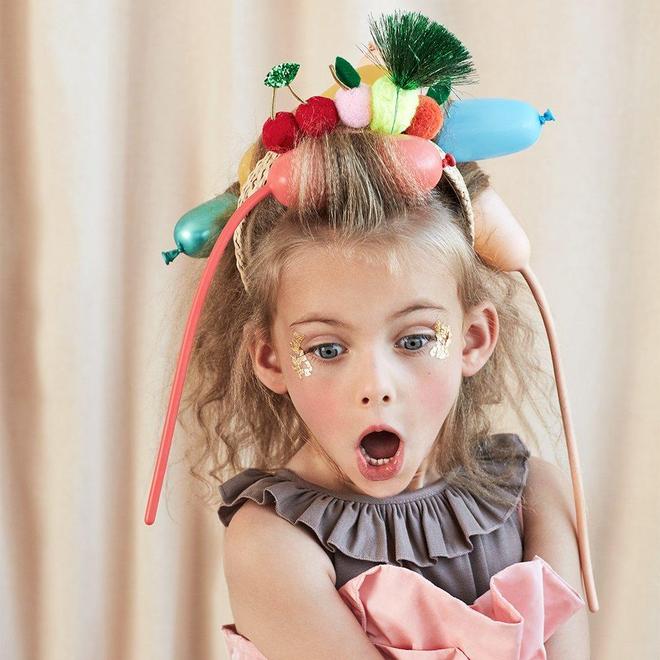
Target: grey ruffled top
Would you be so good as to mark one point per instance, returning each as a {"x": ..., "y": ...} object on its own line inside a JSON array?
[{"x": 441, "y": 531}]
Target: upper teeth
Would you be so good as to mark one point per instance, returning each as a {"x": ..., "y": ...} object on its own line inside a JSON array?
[{"x": 374, "y": 461}]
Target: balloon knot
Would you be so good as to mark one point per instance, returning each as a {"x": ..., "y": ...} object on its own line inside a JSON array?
[
  {"x": 171, "y": 255},
  {"x": 448, "y": 161},
  {"x": 547, "y": 116}
]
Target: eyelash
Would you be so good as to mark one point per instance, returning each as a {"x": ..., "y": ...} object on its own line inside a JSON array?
[{"x": 413, "y": 353}]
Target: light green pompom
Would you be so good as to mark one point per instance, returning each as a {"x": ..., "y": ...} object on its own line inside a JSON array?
[{"x": 392, "y": 108}]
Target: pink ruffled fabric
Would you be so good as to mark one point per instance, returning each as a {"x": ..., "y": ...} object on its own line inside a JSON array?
[{"x": 525, "y": 604}]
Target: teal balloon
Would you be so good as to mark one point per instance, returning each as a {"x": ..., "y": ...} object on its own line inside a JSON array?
[
  {"x": 196, "y": 230},
  {"x": 476, "y": 129}
]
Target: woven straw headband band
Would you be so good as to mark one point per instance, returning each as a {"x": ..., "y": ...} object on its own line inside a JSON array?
[{"x": 385, "y": 97}]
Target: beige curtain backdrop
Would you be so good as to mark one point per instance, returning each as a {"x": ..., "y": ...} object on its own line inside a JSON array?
[{"x": 119, "y": 116}]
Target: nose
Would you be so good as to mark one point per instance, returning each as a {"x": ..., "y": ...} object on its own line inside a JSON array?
[{"x": 375, "y": 382}]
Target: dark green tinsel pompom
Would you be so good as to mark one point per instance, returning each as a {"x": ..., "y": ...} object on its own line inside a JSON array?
[
  {"x": 419, "y": 52},
  {"x": 346, "y": 73},
  {"x": 281, "y": 74}
]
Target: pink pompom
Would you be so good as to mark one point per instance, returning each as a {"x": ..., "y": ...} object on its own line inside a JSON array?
[{"x": 354, "y": 105}]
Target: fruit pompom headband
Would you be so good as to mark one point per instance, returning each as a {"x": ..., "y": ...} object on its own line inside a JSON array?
[{"x": 411, "y": 53}]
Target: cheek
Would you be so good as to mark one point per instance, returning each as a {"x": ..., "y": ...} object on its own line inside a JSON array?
[
  {"x": 316, "y": 401},
  {"x": 439, "y": 387}
]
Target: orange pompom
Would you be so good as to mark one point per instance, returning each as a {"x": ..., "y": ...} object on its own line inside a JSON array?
[{"x": 428, "y": 119}]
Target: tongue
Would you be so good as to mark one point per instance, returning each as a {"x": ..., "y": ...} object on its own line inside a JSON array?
[{"x": 380, "y": 444}]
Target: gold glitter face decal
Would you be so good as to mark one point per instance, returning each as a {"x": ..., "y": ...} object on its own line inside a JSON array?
[
  {"x": 443, "y": 337},
  {"x": 298, "y": 358}
]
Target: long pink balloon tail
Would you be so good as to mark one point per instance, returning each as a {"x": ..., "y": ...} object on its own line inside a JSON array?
[{"x": 186, "y": 347}]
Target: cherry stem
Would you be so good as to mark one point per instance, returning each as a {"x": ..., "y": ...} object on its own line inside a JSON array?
[
  {"x": 296, "y": 95},
  {"x": 272, "y": 106}
]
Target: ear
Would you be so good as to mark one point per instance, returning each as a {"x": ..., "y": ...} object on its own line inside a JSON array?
[
  {"x": 266, "y": 364},
  {"x": 481, "y": 329}
]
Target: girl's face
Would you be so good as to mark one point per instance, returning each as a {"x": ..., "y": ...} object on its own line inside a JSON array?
[{"x": 368, "y": 335}]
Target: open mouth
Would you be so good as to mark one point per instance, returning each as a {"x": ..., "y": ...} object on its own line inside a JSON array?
[{"x": 379, "y": 447}]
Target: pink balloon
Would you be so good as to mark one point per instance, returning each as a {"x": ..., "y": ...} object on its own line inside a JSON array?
[
  {"x": 422, "y": 156},
  {"x": 499, "y": 238},
  {"x": 279, "y": 178}
]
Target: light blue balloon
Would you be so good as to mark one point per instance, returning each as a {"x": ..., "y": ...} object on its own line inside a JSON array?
[
  {"x": 476, "y": 129},
  {"x": 196, "y": 230}
]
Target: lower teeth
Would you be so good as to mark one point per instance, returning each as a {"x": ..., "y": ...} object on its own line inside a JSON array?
[{"x": 375, "y": 461}]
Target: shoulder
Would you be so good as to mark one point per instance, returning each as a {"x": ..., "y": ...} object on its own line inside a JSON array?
[
  {"x": 547, "y": 491},
  {"x": 257, "y": 537}
]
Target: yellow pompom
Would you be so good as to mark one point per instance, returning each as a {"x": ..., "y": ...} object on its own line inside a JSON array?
[{"x": 392, "y": 108}]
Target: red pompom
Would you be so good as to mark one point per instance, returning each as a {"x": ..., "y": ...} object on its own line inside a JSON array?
[
  {"x": 318, "y": 115},
  {"x": 428, "y": 119},
  {"x": 280, "y": 134}
]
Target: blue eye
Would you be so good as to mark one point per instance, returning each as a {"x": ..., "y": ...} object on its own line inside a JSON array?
[
  {"x": 328, "y": 356},
  {"x": 417, "y": 339},
  {"x": 325, "y": 349}
]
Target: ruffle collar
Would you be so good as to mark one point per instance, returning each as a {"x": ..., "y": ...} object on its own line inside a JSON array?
[{"x": 417, "y": 526}]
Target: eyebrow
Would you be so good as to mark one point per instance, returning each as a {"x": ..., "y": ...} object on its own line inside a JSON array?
[{"x": 422, "y": 304}]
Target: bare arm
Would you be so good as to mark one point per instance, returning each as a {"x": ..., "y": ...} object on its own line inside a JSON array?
[
  {"x": 282, "y": 596},
  {"x": 549, "y": 522}
]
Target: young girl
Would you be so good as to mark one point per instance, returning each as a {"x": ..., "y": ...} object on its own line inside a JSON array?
[{"x": 353, "y": 344}]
